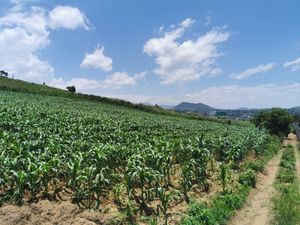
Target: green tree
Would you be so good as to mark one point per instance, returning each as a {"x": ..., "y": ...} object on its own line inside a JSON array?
[{"x": 277, "y": 121}]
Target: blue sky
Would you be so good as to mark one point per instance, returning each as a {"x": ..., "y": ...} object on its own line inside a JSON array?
[{"x": 238, "y": 54}]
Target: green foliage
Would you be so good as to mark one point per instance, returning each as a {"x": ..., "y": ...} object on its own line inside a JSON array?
[
  {"x": 220, "y": 210},
  {"x": 248, "y": 178},
  {"x": 23, "y": 86},
  {"x": 287, "y": 202},
  {"x": 287, "y": 166},
  {"x": 48, "y": 143},
  {"x": 277, "y": 121},
  {"x": 223, "y": 206},
  {"x": 256, "y": 165},
  {"x": 271, "y": 147},
  {"x": 224, "y": 175},
  {"x": 287, "y": 206}
]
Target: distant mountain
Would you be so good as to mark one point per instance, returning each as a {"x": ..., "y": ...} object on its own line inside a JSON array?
[
  {"x": 167, "y": 106},
  {"x": 241, "y": 113},
  {"x": 294, "y": 110},
  {"x": 193, "y": 107}
]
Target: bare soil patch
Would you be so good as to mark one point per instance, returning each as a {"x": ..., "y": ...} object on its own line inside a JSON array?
[{"x": 49, "y": 213}]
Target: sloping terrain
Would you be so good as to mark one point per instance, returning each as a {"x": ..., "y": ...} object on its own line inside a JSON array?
[{"x": 113, "y": 160}]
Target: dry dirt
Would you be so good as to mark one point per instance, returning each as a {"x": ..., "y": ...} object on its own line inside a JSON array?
[
  {"x": 258, "y": 207},
  {"x": 49, "y": 213}
]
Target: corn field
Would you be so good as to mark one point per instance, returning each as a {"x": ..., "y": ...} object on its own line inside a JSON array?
[{"x": 49, "y": 144}]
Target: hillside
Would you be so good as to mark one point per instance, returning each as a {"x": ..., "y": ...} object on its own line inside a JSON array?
[
  {"x": 106, "y": 158},
  {"x": 241, "y": 113},
  {"x": 193, "y": 107},
  {"x": 23, "y": 86}
]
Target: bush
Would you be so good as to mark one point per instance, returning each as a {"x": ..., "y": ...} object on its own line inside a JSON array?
[
  {"x": 221, "y": 209},
  {"x": 248, "y": 178},
  {"x": 256, "y": 165},
  {"x": 277, "y": 121}
]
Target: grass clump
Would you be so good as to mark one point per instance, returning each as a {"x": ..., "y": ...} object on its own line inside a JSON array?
[
  {"x": 219, "y": 211},
  {"x": 256, "y": 165},
  {"x": 287, "y": 167},
  {"x": 287, "y": 203},
  {"x": 248, "y": 178}
]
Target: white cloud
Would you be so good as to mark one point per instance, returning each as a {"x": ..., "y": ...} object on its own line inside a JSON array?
[
  {"x": 261, "y": 96},
  {"x": 119, "y": 79},
  {"x": 293, "y": 65},
  {"x": 114, "y": 81},
  {"x": 67, "y": 17},
  {"x": 22, "y": 35},
  {"x": 82, "y": 85},
  {"x": 208, "y": 19},
  {"x": 187, "y": 22},
  {"x": 231, "y": 97},
  {"x": 97, "y": 60},
  {"x": 222, "y": 97},
  {"x": 20, "y": 4},
  {"x": 263, "y": 68},
  {"x": 187, "y": 60}
]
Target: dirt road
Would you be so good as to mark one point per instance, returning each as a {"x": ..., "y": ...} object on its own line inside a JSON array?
[{"x": 258, "y": 207}]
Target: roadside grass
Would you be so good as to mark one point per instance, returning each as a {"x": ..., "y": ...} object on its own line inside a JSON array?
[
  {"x": 224, "y": 205},
  {"x": 287, "y": 202}
]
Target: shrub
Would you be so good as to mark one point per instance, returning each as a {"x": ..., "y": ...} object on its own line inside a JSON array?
[
  {"x": 221, "y": 209},
  {"x": 277, "y": 121},
  {"x": 256, "y": 165},
  {"x": 248, "y": 178}
]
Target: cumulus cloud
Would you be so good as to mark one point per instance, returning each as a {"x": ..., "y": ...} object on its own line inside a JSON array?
[
  {"x": 97, "y": 60},
  {"x": 263, "y": 68},
  {"x": 293, "y": 65},
  {"x": 187, "y": 60},
  {"x": 22, "y": 35},
  {"x": 67, "y": 17},
  {"x": 119, "y": 79}
]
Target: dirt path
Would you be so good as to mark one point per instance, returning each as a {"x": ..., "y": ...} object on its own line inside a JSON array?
[{"x": 258, "y": 207}]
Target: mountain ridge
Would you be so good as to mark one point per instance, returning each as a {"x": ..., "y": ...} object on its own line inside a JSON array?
[{"x": 206, "y": 109}]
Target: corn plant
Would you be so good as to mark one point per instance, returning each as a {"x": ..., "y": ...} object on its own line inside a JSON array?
[
  {"x": 101, "y": 180},
  {"x": 19, "y": 178},
  {"x": 95, "y": 146},
  {"x": 224, "y": 175},
  {"x": 186, "y": 179},
  {"x": 165, "y": 197}
]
